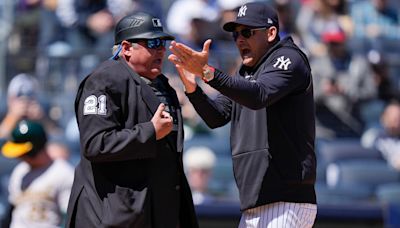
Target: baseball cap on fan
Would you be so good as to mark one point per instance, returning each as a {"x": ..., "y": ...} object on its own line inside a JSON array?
[
  {"x": 254, "y": 14},
  {"x": 335, "y": 35},
  {"x": 23, "y": 85},
  {"x": 139, "y": 25}
]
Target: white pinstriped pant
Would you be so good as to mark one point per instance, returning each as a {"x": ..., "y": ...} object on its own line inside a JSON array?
[{"x": 279, "y": 215}]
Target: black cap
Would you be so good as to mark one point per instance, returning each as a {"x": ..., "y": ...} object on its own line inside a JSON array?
[
  {"x": 254, "y": 14},
  {"x": 139, "y": 25},
  {"x": 27, "y": 138}
]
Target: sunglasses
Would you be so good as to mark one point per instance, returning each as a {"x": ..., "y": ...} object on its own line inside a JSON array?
[
  {"x": 246, "y": 33},
  {"x": 152, "y": 43}
]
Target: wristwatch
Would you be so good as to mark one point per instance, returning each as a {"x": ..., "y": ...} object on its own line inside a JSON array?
[{"x": 208, "y": 73}]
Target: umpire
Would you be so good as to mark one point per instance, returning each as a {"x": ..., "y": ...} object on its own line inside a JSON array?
[{"x": 130, "y": 124}]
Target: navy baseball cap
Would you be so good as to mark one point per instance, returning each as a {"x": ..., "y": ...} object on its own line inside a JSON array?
[
  {"x": 254, "y": 14},
  {"x": 139, "y": 25}
]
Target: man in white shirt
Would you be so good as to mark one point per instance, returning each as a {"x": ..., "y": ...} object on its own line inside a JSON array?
[{"x": 39, "y": 187}]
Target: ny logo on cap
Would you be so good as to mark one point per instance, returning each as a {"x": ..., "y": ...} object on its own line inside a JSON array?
[
  {"x": 157, "y": 22},
  {"x": 242, "y": 11}
]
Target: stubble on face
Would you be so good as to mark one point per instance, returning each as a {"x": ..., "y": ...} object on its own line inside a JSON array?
[
  {"x": 147, "y": 62},
  {"x": 253, "y": 48}
]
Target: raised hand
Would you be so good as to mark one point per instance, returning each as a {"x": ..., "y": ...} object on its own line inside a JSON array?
[
  {"x": 188, "y": 79},
  {"x": 189, "y": 59},
  {"x": 162, "y": 122},
  {"x": 18, "y": 107}
]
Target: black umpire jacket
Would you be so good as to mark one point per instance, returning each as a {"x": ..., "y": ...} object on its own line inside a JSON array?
[
  {"x": 271, "y": 110},
  {"x": 125, "y": 177}
]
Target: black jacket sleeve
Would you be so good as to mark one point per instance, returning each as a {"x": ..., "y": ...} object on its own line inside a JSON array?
[
  {"x": 101, "y": 107},
  {"x": 215, "y": 113},
  {"x": 272, "y": 83}
]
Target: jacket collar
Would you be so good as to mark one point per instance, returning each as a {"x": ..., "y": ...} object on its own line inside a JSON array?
[{"x": 148, "y": 96}]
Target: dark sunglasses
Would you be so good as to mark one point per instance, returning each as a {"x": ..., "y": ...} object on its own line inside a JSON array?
[
  {"x": 152, "y": 43},
  {"x": 246, "y": 33}
]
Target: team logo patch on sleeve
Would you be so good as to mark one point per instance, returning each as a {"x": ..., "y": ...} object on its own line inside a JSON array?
[
  {"x": 95, "y": 105},
  {"x": 282, "y": 63}
]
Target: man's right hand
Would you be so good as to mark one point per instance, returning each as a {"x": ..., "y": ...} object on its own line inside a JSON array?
[
  {"x": 187, "y": 58},
  {"x": 162, "y": 122}
]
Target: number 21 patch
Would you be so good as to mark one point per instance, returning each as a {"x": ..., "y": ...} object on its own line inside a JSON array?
[{"x": 95, "y": 105}]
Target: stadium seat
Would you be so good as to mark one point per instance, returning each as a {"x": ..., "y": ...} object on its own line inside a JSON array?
[{"x": 367, "y": 173}]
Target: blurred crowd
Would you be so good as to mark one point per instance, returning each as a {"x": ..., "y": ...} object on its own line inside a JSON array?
[{"x": 353, "y": 47}]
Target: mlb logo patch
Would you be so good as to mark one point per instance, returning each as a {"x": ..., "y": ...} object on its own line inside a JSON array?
[{"x": 156, "y": 22}]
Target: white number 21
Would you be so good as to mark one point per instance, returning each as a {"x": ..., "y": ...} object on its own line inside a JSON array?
[{"x": 94, "y": 105}]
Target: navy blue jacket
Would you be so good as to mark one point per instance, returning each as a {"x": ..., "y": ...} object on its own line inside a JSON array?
[{"x": 271, "y": 110}]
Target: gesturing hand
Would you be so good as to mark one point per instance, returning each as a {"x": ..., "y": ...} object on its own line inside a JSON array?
[
  {"x": 188, "y": 80},
  {"x": 189, "y": 59},
  {"x": 162, "y": 122}
]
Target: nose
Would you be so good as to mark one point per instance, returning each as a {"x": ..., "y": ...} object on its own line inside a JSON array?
[
  {"x": 161, "y": 49},
  {"x": 240, "y": 39}
]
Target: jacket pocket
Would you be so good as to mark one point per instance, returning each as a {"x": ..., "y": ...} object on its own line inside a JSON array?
[
  {"x": 124, "y": 208},
  {"x": 249, "y": 170}
]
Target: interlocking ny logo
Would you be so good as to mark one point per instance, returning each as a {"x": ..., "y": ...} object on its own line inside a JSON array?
[
  {"x": 282, "y": 63},
  {"x": 242, "y": 11},
  {"x": 157, "y": 22}
]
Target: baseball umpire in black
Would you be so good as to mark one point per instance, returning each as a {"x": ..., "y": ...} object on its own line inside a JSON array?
[
  {"x": 270, "y": 106},
  {"x": 129, "y": 118}
]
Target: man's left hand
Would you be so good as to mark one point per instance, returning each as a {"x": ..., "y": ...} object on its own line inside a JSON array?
[{"x": 189, "y": 59}]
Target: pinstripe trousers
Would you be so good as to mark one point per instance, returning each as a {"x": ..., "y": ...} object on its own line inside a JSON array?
[{"x": 279, "y": 215}]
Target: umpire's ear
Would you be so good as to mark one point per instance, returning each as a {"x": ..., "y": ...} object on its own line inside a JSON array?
[{"x": 126, "y": 48}]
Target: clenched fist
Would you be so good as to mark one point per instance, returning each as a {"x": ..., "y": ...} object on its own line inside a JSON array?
[{"x": 162, "y": 122}]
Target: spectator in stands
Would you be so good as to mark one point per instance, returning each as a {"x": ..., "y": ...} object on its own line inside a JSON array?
[
  {"x": 192, "y": 21},
  {"x": 90, "y": 25},
  {"x": 23, "y": 102},
  {"x": 343, "y": 81},
  {"x": 39, "y": 187},
  {"x": 383, "y": 81},
  {"x": 287, "y": 25},
  {"x": 26, "y": 26},
  {"x": 375, "y": 22},
  {"x": 312, "y": 20},
  {"x": 386, "y": 91},
  {"x": 387, "y": 139},
  {"x": 199, "y": 163},
  {"x": 20, "y": 23},
  {"x": 51, "y": 29},
  {"x": 93, "y": 29}
]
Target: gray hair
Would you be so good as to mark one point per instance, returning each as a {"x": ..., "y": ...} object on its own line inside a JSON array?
[{"x": 116, "y": 47}]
